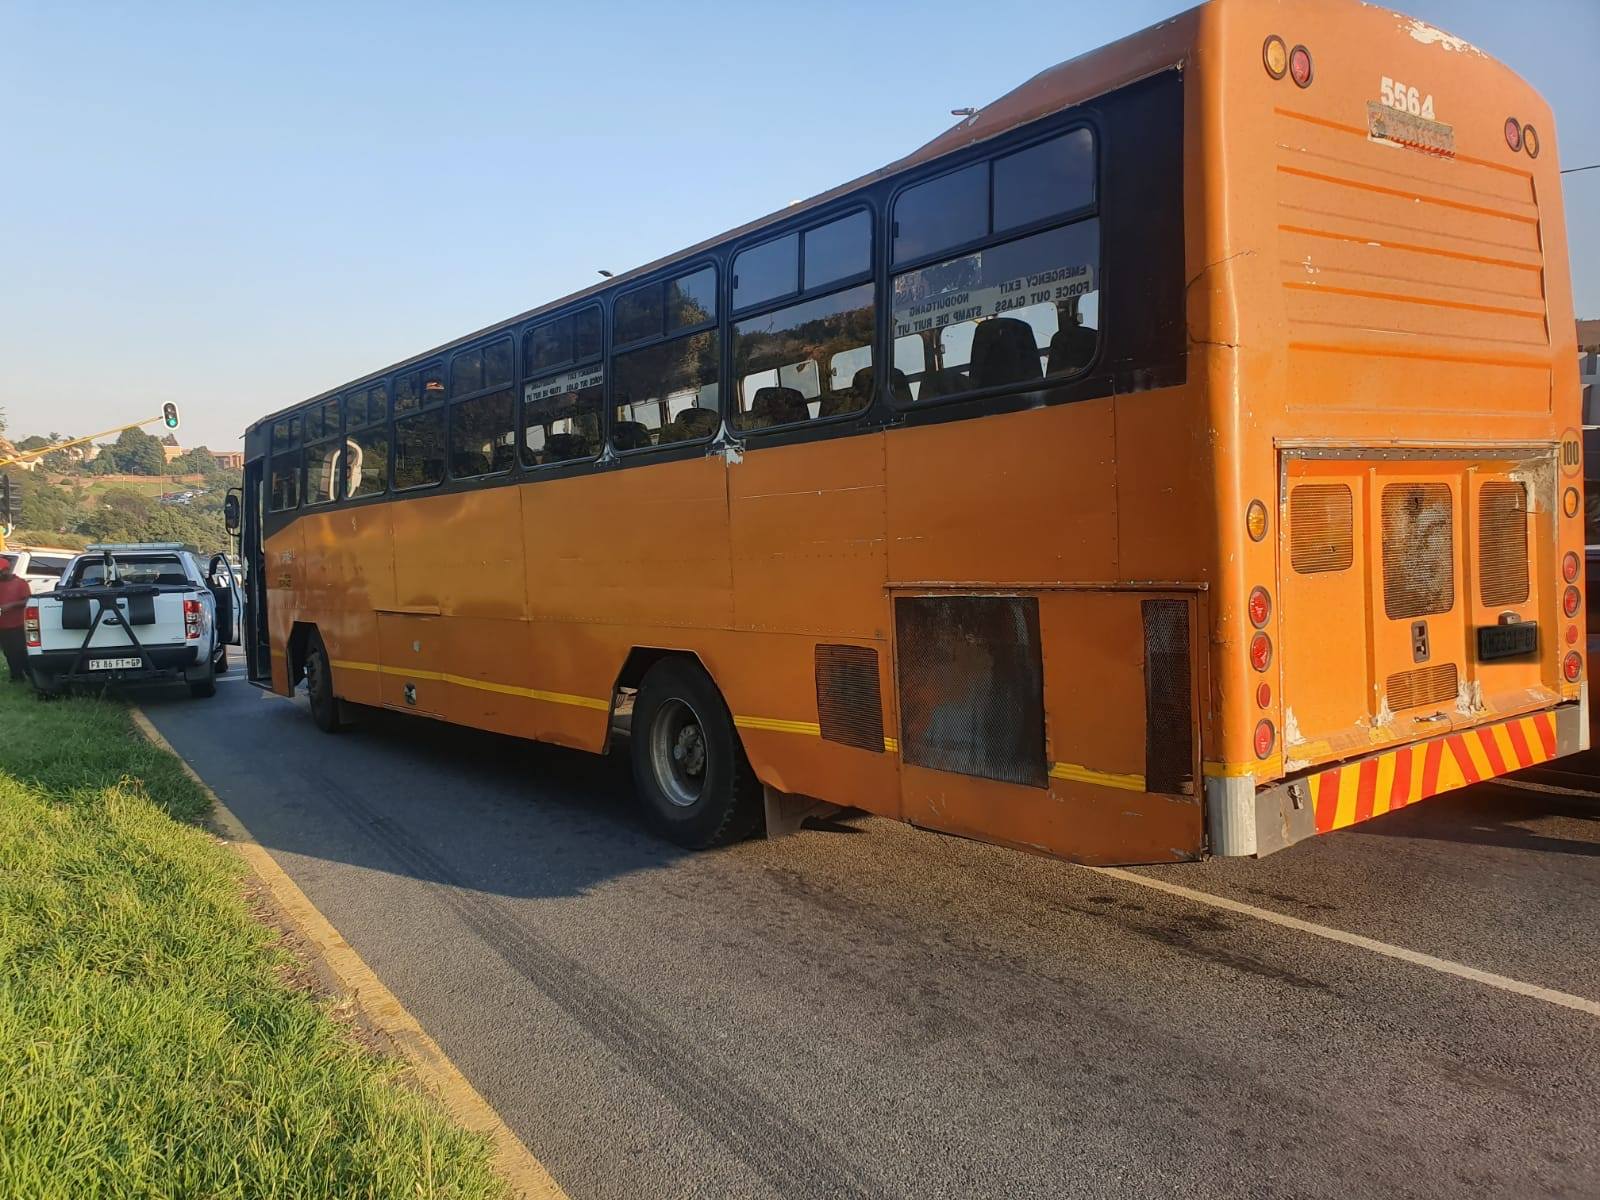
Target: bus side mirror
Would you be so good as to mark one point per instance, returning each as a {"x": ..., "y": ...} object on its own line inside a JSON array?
[{"x": 231, "y": 507}]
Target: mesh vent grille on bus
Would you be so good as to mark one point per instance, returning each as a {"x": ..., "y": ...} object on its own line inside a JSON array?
[
  {"x": 849, "y": 702},
  {"x": 1168, "y": 711},
  {"x": 1503, "y": 543},
  {"x": 1425, "y": 685},
  {"x": 1418, "y": 540},
  {"x": 971, "y": 686},
  {"x": 1320, "y": 534}
]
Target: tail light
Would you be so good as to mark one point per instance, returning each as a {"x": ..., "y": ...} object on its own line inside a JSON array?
[
  {"x": 1530, "y": 141},
  {"x": 1261, "y": 652},
  {"x": 1572, "y": 666},
  {"x": 1260, "y": 607},
  {"x": 191, "y": 619},
  {"x": 1266, "y": 737},
  {"x": 1263, "y": 695},
  {"x": 1300, "y": 66},
  {"x": 1569, "y": 503},
  {"x": 1569, "y": 567},
  {"x": 1513, "y": 134},
  {"x": 1570, "y": 601},
  {"x": 30, "y": 624}
]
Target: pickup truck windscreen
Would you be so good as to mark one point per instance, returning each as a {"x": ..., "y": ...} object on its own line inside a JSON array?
[{"x": 151, "y": 568}]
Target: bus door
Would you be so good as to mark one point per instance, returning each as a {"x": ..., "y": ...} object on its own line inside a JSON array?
[
  {"x": 257, "y": 643},
  {"x": 1411, "y": 598}
]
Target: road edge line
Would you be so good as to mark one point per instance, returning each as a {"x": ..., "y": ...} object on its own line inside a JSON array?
[
  {"x": 525, "y": 1174},
  {"x": 1444, "y": 966}
]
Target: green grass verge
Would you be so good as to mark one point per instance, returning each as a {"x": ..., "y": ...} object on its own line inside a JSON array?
[{"x": 149, "y": 1044}]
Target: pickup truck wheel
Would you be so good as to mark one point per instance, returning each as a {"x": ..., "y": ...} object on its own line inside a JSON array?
[
  {"x": 204, "y": 686},
  {"x": 220, "y": 663},
  {"x": 319, "y": 689},
  {"x": 689, "y": 768}
]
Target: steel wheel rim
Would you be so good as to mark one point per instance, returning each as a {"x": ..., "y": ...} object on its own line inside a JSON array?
[{"x": 678, "y": 753}]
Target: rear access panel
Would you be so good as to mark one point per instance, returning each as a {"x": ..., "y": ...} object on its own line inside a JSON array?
[{"x": 1060, "y": 719}]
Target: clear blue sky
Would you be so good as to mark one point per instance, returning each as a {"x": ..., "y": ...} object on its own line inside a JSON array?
[{"x": 236, "y": 206}]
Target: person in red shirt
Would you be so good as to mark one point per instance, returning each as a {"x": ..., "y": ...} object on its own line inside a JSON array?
[{"x": 14, "y": 596}]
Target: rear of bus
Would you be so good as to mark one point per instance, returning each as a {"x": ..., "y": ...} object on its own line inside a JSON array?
[{"x": 1389, "y": 339}]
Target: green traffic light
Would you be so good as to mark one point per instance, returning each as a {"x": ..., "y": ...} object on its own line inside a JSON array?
[{"x": 169, "y": 415}]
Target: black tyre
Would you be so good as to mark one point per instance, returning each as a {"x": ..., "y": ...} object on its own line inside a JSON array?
[
  {"x": 205, "y": 687},
  {"x": 689, "y": 767},
  {"x": 319, "y": 688}
]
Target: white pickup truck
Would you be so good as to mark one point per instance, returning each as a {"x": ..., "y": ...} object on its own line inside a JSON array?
[{"x": 134, "y": 613}]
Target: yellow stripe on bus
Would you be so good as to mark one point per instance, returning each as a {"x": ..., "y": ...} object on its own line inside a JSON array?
[
  {"x": 1082, "y": 774},
  {"x": 482, "y": 685},
  {"x": 778, "y": 725}
]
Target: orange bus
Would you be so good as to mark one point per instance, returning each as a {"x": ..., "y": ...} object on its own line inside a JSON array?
[{"x": 1178, "y": 456}]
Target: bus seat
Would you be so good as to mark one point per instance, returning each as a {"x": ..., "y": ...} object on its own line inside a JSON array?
[
  {"x": 777, "y": 406},
  {"x": 1004, "y": 351},
  {"x": 563, "y": 447},
  {"x": 862, "y": 386},
  {"x": 630, "y": 435},
  {"x": 950, "y": 381},
  {"x": 690, "y": 424},
  {"x": 1071, "y": 349},
  {"x": 505, "y": 457}
]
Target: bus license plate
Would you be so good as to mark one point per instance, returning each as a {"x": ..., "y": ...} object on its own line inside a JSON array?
[
  {"x": 114, "y": 664},
  {"x": 1518, "y": 640}
]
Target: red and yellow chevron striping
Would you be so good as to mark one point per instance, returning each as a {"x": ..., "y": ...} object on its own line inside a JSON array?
[{"x": 1374, "y": 786}]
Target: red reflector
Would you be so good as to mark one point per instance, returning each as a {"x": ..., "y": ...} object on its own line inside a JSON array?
[
  {"x": 1569, "y": 567},
  {"x": 1260, "y": 651},
  {"x": 1263, "y": 695},
  {"x": 1260, "y": 607},
  {"x": 1265, "y": 737},
  {"x": 1570, "y": 602},
  {"x": 1513, "y": 133},
  {"x": 1572, "y": 666},
  {"x": 1572, "y": 635},
  {"x": 1300, "y": 66}
]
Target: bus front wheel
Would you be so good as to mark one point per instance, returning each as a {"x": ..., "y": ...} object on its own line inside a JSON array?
[
  {"x": 689, "y": 768},
  {"x": 319, "y": 688}
]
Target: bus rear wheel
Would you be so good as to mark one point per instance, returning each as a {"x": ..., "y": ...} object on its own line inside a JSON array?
[
  {"x": 693, "y": 780},
  {"x": 319, "y": 688}
]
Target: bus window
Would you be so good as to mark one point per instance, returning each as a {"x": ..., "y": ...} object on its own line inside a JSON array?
[
  {"x": 790, "y": 342},
  {"x": 838, "y": 250},
  {"x": 948, "y": 211},
  {"x": 284, "y": 487},
  {"x": 667, "y": 392},
  {"x": 482, "y": 438},
  {"x": 368, "y": 462},
  {"x": 1044, "y": 181},
  {"x": 322, "y": 471},
  {"x": 767, "y": 271},
  {"x": 419, "y": 447},
  {"x": 985, "y": 312},
  {"x": 561, "y": 416}
]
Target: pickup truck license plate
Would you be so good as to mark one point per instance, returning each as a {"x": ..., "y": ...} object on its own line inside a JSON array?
[
  {"x": 1517, "y": 640},
  {"x": 113, "y": 664}
]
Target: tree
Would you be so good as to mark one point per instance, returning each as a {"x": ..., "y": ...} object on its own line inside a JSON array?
[{"x": 137, "y": 453}]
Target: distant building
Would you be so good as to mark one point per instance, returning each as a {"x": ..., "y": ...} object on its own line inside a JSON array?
[
  {"x": 229, "y": 460},
  {"x": 171, "y": 452}
]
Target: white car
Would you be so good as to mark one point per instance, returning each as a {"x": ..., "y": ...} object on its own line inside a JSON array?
[
  {"x": 40, "y": 566},
  {"x": 134, "y": 613}
]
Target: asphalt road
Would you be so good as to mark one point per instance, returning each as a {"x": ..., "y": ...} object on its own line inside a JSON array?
[{"x": 866, "y": 1010}]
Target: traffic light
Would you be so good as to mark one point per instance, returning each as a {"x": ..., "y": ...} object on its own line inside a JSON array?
[{"x": 169, "y": 414}]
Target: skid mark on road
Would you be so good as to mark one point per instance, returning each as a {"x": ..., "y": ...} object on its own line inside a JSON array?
[
  {"x": 1444, "y": 966},
  {"x": 793, "y": 1159}
]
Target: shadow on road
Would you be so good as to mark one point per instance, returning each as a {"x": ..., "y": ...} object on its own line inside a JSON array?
[
  {"x": 1493, "y": 814},
  {"x": 437, "y": 802}
]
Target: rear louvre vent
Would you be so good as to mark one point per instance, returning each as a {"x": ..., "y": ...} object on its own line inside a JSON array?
[
  {"x": 971, "y": 686},
  {"x": 1503, "y": 544},
  {"x": 1320, "y": 536},
  {"x": 849, "y": 703},
  {"x": 1418, "y": 538},
  {"x": 1426, "y": 685},
  {"x": 1168, "y": 713}
]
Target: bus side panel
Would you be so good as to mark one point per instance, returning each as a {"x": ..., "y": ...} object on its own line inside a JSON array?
[
  {"x": 641, "y": 546},
  {"x": 807, "y": 527},
  {"x": 281, "y": 564},
  {"x": 349, "y": 573},
  {"x": 1025, "y": 497},
  {"x": 1093, "y": 805}
]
